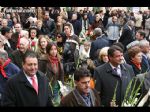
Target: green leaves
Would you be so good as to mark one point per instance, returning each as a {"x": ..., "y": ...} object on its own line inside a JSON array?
[
  {"x": 113, "y": 102},
  {"x": 131, "y": 100}
]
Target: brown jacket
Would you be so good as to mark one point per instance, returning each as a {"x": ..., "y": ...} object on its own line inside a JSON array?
[{"x": 72, "y": 100}]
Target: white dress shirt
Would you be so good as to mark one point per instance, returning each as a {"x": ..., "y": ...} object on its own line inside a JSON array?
[
  {"x": 118, "y": 69},
  {"x": 29, "y": 78}
]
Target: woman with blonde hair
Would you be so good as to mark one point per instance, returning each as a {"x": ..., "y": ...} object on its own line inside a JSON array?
[
  {"x": 41, "y": 50},
  {"x": 102, "y": 57},
  {"x": 41, "y": 46}
]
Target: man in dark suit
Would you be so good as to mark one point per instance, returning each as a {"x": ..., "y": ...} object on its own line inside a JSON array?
[
  {"x": 82, "y": 95},
  {"x": 49, "y": 26},
  {"x": 127, "y": 35},
  {"x": 7, "y": 32},
  {"x": 99, "y": 43},
  {"x": 108, "y": 75},
  {"x": 29, "y": 87}
]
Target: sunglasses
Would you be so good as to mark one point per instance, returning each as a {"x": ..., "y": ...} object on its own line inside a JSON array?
[{"x": 59, "y": 36}]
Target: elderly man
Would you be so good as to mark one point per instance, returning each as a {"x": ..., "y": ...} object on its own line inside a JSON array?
[
  {"x": 7, "y": 70},
  {"x": 18, "y": 54}
]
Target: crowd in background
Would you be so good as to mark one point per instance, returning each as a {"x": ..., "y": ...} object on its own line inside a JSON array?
[{"x": 64, "y": 40}]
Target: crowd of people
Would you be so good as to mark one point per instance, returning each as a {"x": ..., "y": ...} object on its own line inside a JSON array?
[{"x": 99, "y": 50}]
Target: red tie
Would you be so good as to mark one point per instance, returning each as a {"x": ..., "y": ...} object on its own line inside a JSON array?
[
  {"x": 34, "y": 84},
  {"x": 18, "y": 42}
]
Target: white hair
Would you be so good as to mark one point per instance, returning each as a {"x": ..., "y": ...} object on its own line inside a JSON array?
[
  {"x": 143, "y": 43},
  {"x": 24, "y": 40},
  {"x": 3, "y": 54}
]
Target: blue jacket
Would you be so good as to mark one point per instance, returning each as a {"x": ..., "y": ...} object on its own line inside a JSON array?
[
  {"x": 99, "y": 43},
  {"x": 11, "y": 69}
]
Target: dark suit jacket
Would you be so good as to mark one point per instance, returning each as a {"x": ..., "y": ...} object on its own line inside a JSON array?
[
  {"x": 14, "y": 40},
  {"x": 19, "y": 91},
  {"x": 17, "y": 57},
  {"x": 126, "y": 37},
  {"x": 106, "y": 80}
]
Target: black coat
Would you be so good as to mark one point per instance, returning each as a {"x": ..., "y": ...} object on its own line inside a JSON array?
[
  {"x": 76, "y": 26},
  {"x": 49, "y": 27},
  {"x": 17, "y": 57},
  {"x": 14, "y": 40},
  {"x": 19, "y": 92},
  {"x": 106, "y": 80},
  {"x": 127, "y": 36}
]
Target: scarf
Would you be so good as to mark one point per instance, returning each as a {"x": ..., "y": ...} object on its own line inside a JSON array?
[
  {"x": 138, "y": 65},
  {"x": 54, "y": 61},
  {"x": 3, "y": 66}
]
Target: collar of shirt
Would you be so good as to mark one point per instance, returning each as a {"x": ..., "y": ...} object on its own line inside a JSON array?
[
  {"x": 29, "y": 78},
  {"x": 118, "y": 68},
  {"x": 7, "y": 42}
]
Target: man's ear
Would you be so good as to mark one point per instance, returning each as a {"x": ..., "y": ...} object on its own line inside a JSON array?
[
  {"x": 76, "y": 82},
  {"x": 22, "y": 64}
]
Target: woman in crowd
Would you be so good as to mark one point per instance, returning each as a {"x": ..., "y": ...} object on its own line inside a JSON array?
[
  {"x": 54, "y": 67},
  {"x": 60, "y": 24},
  {"x": 14, "y": 21},
  {"x": 135, "y": 60},
  {"x": 41, "y": 51},
  {"x": 40, "y": 30},
  {"x": 102, "y": 57}
]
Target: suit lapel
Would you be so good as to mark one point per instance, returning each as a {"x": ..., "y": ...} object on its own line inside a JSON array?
[
  {"x": 109, "y": 69},
  {"x": 123, "y": 71},
  {"x": 24, "y": 79}
]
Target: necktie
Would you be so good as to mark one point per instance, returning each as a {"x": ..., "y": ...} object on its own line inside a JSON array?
[
  {"x": 34, "y": 84},
  {"x": 115, "y": 69}
]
